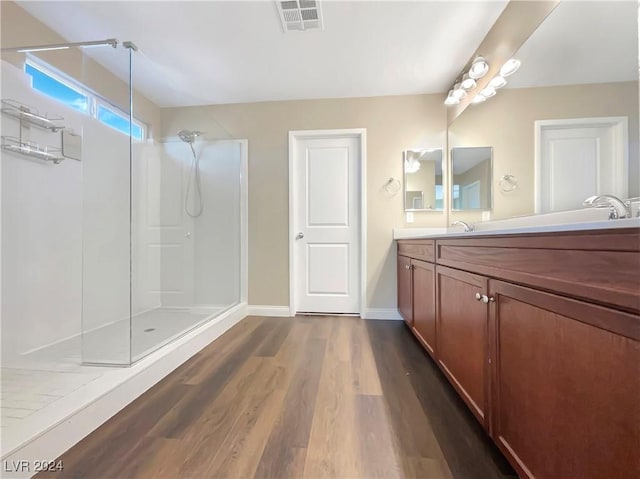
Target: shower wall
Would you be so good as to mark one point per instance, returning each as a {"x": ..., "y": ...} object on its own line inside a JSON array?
[
  {"x": 62, "y": 226},
  {"x": 200, "y": 256},
  {"x": 41, "y": 236}
]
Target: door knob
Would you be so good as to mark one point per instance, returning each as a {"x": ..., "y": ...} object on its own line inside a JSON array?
[{"x": 300, "y": 236}]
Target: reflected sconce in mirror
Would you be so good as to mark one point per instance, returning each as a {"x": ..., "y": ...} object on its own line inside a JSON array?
[{"x": 466, "y": 82}]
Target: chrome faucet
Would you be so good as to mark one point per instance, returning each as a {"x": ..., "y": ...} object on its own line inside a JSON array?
[
  {"x": 467, "y": 227},
  {"x": 618, "y": 208}
]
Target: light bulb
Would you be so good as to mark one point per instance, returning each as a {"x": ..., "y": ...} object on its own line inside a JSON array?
[
  {"x": 467, "y": 83},
  {"x": 488, "y": 92},
  {"x": 497, "y": 82},
  {"x": 510, "y": 67},
  {"x": 479, "y": 98},
  {"x": 458, "y": 92},
  {"x": 479, "y": 68},
  {"x": 451, "y": 100}
]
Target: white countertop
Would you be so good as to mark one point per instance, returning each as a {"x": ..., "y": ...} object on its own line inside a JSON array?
[{"x": 502, "y": 227}]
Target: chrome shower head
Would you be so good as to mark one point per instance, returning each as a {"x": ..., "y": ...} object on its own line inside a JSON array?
[{"x": 189, "y": 136}]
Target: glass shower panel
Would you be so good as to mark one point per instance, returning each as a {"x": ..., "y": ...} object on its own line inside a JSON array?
[
  {"x": 65, "y": 187},
  {"x": 106, "y": 213}
]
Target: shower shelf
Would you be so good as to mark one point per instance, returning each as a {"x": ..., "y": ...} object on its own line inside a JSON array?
[
  {"x": 47, "y": 153},
  {"x": 28, "y": 115}
]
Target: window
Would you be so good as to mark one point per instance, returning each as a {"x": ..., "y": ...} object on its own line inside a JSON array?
[
  {"x": 119, "y": 121},
  {"x": 76, "y": 96},
  {"x": 56, "y": 89}
]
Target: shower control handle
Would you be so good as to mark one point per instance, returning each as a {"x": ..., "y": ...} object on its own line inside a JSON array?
[{"x": 300, "y": 236}]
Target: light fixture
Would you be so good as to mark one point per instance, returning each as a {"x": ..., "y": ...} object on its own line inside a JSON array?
[
  {"x": 510, "y": 67},
  {"x": 488, "y": 92},
  {"x": 479, "y": 98},
  {"x": 479, "y": 68},
  {"x": 497, "y": 82},
  {"x": 467, "y": 83}
]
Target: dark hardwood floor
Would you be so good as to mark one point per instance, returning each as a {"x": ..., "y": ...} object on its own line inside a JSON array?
[{"x": 295, "y": 397}]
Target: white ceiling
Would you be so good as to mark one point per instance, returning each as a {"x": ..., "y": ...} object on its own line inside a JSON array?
[
  {"x": 581, "y": 42},
  {"x": 195, "y": 53}
]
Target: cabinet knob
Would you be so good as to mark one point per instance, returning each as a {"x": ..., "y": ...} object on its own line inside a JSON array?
[
  {"x": 406, "y": 266},
  {"x": 478, "y": 296},
  {"x": 484, "y": 298}
]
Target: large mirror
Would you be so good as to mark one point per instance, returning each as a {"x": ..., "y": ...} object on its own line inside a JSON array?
[
  {"x": 565, "y": 126},
  {"x": 471, "y": 178},
  {"x": 423, "y": 180}
]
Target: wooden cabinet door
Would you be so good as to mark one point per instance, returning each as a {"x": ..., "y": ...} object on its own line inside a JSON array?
[
  {"x": 462, "y": 336},
  {"x": 405, "y": 305},
  {"x": 424, "y": 303},
  {"x": 566, "y": 388}
]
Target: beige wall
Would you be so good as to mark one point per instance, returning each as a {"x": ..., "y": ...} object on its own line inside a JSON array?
[
  {"x": 393, "y": 124},
  {"x": 19, "y": 28},
  {"x": 506, "y": 122}
]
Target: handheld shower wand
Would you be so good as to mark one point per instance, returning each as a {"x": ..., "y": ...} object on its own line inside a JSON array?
[{"x": 189, "y": 136}]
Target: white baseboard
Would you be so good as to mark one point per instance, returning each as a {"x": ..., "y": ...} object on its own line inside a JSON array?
[
  {"x": 383, "y": 313},
  {"x": 137, "y": 379},
  {"x": 264, "y": 310}
]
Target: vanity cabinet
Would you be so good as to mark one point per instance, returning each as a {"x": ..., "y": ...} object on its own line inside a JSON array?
[
  {"x": 565, "y": 389},
  {"x": 416, "y": 291},
  {"x": 540, "y": 336},
  {"x": 462, "y": 323}
]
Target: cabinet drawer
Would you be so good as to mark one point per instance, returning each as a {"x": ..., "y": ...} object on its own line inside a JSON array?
[
  {"x": 424, "y": 249},
  {"x": 597, "y": 268}
]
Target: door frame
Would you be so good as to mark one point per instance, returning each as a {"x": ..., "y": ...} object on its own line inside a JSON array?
[
  {"x": 295, "y": 136},
  {"x": 620, "y": 126}
]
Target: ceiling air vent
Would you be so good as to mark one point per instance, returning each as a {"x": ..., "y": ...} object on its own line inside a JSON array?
[{"x": 299, "y": 15}]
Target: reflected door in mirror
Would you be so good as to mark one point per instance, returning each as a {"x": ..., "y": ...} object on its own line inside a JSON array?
[{"x": 471, "y": 178}]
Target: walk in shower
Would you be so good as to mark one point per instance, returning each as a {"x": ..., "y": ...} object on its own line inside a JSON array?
[{"x": 117, "y": 237}]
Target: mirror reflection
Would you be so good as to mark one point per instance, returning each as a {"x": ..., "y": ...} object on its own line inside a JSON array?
[
  {"x": 566, "y": 123},
  {"x": 471, "y": 178},
  {"x": 423, "y": 180}
]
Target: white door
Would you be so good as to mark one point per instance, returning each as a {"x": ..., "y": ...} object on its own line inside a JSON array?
[
  {"x": 326, "y": 225},
  {"x": 577, "y": 159},
  {"x": 470, "y": 196}
]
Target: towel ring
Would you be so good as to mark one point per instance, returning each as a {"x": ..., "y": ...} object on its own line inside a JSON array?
[
  {"x": 508, "y": 183},
  {"x": 392, "y": 186}
]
